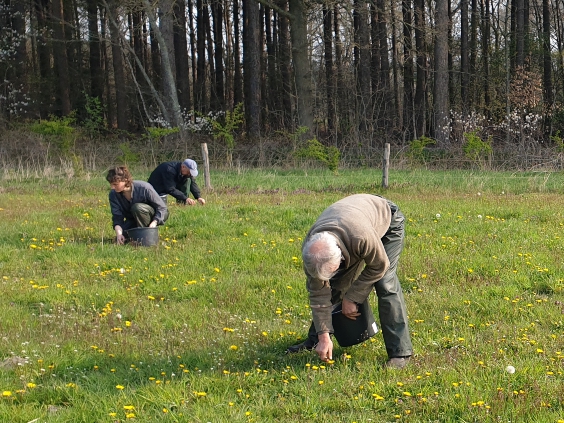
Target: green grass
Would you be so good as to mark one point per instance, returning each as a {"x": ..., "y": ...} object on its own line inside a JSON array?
[{"x": 195, "y": 330}]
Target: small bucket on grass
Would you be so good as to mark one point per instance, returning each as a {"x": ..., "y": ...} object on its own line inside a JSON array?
[{"x": 146, "y": 237}]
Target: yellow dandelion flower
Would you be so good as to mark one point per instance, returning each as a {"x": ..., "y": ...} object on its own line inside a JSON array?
[
  {"x": 233, "y": 347},
  {"x": 129, "y": 407},
  {"x": 120, "y": 387},
  {"x": 7, "y": 394},
  {"x": 31, "y": 385}
]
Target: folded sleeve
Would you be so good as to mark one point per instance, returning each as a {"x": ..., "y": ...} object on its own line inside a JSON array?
[
  {"x": 320, "y": 304},
  {"x": 372, "y": 251}
]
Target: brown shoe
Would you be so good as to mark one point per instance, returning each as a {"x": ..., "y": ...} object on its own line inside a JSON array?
[
  {"x": 397, "y": 362},
  {"x": 307, "y": 345}
]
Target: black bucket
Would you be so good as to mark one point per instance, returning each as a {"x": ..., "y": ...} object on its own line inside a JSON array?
[
  {"x": 146, "y": 237},
  {"x": 351, "y": 332}
]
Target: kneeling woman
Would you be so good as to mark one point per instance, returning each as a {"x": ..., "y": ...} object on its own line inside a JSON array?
[{"x": 133, "y": 203}]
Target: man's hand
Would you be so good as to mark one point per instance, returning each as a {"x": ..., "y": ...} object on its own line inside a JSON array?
[
  {"x": 350, "y": 309},
  {"x": 120, "y": 239},
  {"x": 153, "y": 224},
  {"x": 201, "y": 201},
  {"x": 324, "y": 347},
  {"x": 190, "y": 202}
]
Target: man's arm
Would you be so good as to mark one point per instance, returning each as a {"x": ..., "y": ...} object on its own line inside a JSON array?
[
  {"x": 371, "y": 250},
  {"x": 320, "y": 304}
]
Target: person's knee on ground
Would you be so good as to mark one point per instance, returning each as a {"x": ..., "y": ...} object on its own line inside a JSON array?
[{"x": 143, "y": 214}]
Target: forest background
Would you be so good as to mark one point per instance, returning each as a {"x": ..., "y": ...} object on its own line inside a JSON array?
[{"x": 86, "y": 83}]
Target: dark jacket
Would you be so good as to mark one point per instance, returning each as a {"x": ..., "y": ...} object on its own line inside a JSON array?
[
  {"x": 141, "y": 192},
  {"x": 167, "y": 179}
]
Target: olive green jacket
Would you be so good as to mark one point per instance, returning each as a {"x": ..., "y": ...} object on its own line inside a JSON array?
[{"x": 358, "y": 222}]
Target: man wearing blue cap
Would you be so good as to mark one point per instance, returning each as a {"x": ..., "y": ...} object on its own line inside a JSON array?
[{"x": 172, "y": 178}]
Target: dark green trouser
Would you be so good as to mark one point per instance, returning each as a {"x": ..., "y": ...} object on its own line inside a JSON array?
[
  {"x": 143, "y": 215},
  {"x": 391, "y": 304}
]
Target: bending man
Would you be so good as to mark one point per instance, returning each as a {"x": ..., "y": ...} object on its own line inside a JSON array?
[
  {"x": 174, "y": 178},
  {"x": 352, "y": 248}
]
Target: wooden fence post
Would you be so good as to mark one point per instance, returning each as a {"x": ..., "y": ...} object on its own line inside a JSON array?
[
  {"x": 386, "y": 165},
  {"x": 206, "y": 158}
]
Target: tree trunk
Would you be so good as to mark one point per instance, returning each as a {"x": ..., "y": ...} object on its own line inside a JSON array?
[
  {"x": 251, "y": 68},
  {"x": 155, "y": 57},
  {"x": 519, "y": 33},
  {"x": 96, "y": 75},
  {"x": 474, "y": 25},
  {"x": 362, "y": 65},
  {"x": 440, "y": 91},
  {"x": 105, "y": 60},
  {"x": 395, "y": 109},
  {"x": 329, "y": 75},
  {"x": 342, "y": 113},
  {"x": 384, "y": 118},
  {"x": 193, "y": 55},
  {"x": 408, "y": 73},
  {"x": 181, "y": 56},
  {"x": 421, "y": 60},
  {"x": 60, "y": 57},
  {"x": 268, "y": 88},
  {"x": 200, "y": 87},
  {"x": 547, "y": 62},
  {"x": 217, "y": 15},
  {"x": 210, "y": 71},
  {"x": 486, "y": 55},
  {"x": 464, "y": 70},
  {"x": 19, "y": 74},
  {"x": 302, "y": 64},
  {"x": 72, "y": 43},
  {"x": 119, "y": 74},
  {"x": 237, "y": 75},
  {"x": 284, "y": 63},
  {"x": 165, "y": 35}
]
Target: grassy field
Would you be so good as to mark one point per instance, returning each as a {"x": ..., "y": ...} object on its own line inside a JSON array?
[{"x": 195, "y": 330}]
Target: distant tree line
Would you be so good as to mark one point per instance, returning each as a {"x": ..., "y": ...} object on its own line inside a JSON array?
[{"x": 355, "y": 71}]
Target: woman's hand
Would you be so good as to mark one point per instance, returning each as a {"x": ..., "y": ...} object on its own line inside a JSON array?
[
  {"x": 153, "y": 224},
  {"x": 120, "y": 239}
]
